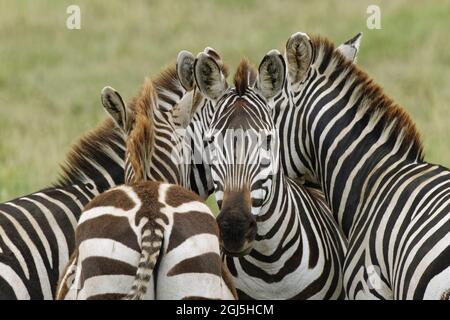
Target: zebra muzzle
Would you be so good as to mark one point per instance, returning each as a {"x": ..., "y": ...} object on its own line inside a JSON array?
[{"x": 237, "y": 232}]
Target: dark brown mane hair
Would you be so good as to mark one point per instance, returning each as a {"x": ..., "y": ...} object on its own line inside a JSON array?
[
  {"x": 372, "y": 92},
  {"x": 91, "y": 147},
  {"x": 244, "y": 77}
]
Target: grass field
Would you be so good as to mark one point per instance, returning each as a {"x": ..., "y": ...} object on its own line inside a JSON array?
[{"x": 51, "y": 77}]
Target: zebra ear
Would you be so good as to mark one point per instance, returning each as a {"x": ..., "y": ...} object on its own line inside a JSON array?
[
  {"x": 213, "y": 54},
  {"x": 185, "y": 69},
  {"x": 271, "y": 74},
  {"x": 299, "y": 53},
  {"x": 216, "y": 56},
  {"x": 350, "y": 48},
  {"x": 209, "y": 77},
  {"x": 116, "y": 107}
]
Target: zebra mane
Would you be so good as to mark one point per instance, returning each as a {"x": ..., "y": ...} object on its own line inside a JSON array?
[
  {"x": 105, "y": 144},
  {"x": 244, "y": 77},
  {"x": 330, "y": 61},
  {"x": 166, "y": 83},
  {"x": 141, "y": 140},
  {"x": 99, "y": 146}
]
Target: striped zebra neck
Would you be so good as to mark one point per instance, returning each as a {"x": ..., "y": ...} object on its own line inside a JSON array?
[
  {"x": 275, "y": 210},
  {"x": 97, "y": 158},
  {"x": 200, "y": 180},
  {"x": 348, "y": 125},
  {"x": 32, "y": 260},
  {"x": 294, "y": 232},
  {"x": 167, "y": 162},
  {"x": 156, "y": 146},
  {"x": 178, "y": 153}
]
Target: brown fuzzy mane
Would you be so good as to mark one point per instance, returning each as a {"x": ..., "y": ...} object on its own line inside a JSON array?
[
  {"x": 141, "y": 140},
  {"x": 377, "y": 100},
  {"x": 91, "y": 147},
  {"x": 244, "y": 77},
  {"x": 167, "y": 80}
]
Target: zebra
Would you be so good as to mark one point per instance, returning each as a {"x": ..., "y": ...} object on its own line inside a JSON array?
[
  {"x": 126, "y": 226},
  {"x": 366, "y": 154},
  {"x": 279, "y": 238},
  {"x": 37, "y": 230},
  {"x": 202, "y": 111},
  {"x": 285, "y": 117}
]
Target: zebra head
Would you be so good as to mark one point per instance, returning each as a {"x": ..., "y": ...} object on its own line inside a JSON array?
[
  {"x": 185, "y": 73},
  {"x": 242, "y": 142},
  {"x": 202, "y": 109},
  {"x": 308, "y": 79},
  {"x": 137, "y": 122}
]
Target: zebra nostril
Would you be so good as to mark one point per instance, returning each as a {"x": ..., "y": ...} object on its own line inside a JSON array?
[
  {"x": 251, "y": 231},
  {"x": 257, "y": 203}
]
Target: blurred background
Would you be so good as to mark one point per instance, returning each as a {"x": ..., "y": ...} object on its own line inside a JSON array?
[{"x": 51, "y": 77}]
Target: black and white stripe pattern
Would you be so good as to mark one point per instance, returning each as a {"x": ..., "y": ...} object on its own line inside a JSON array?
[
  {"x": 128, "y": 230},
  {"x": 147, "y": 223},
  {"x": 285, "y": 115},
  {"x": 288, "y": 245},
  {"x": 365, "y": 152},
  {"x": 37, "y": 230}
]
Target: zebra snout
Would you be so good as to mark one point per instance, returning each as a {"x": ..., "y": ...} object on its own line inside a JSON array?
[{"x": 237, "y": 232}]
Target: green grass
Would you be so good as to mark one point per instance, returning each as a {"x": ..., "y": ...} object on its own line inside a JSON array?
[{"x": 51, "y": 77}]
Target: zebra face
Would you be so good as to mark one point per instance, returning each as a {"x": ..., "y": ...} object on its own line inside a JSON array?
[
  {"x": 242, "y": 143},
  {"x": 242, "y": 147},
  {"x": 243, "y": 155}
]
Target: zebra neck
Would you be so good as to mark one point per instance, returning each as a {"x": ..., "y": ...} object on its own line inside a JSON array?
[
  {"x": 348, "y": 146},
  {"x": 168, "y": 163},
  {"x": 97, "y": 158},
  {"x": 199, "y": 170},
  {"x": 170, "y": 160},
  {"x": 276, "y": 216}
]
